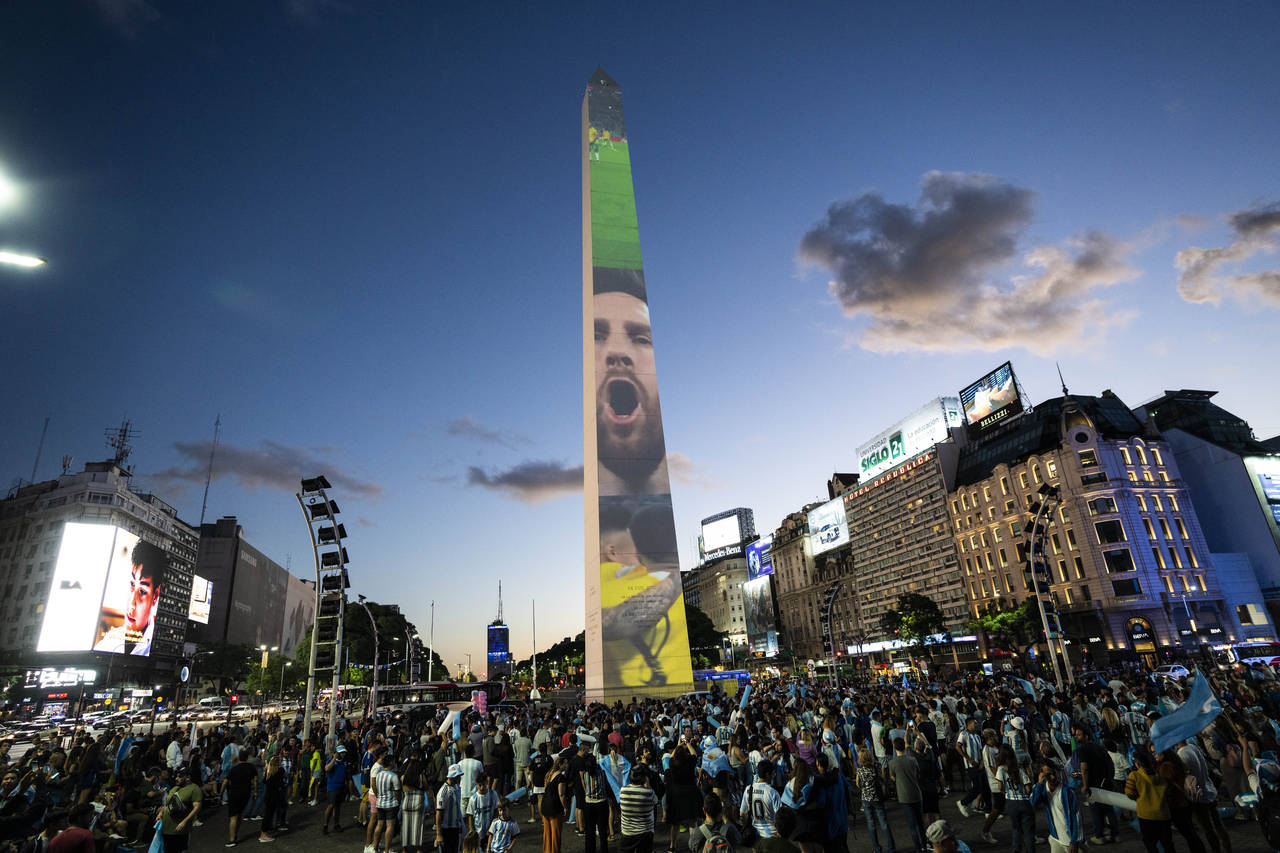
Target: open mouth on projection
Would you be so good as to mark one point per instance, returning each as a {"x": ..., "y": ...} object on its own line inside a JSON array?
[{"x": 623, "y": 401}]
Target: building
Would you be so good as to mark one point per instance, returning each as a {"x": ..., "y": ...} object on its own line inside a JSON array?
[
  {"x": 715, "y": 588},
  {"x": 1129, "y": 568},
  {"x": 798, "y": 597},
  {"x": 33, "y": 530},
  {"x": 252, "y": 599},
  {"x": 1234, "y": 481}
]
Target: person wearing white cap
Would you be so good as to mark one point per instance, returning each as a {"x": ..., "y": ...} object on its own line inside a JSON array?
[{"x": 449, "y": 811}]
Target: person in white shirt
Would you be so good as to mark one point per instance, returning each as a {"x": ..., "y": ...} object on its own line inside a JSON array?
[
  {"x": 173, "y": 755},
  {"x": 760, "y": 802}
]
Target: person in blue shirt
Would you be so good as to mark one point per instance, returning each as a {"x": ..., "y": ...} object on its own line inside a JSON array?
[{"x": 337, "y": 780}]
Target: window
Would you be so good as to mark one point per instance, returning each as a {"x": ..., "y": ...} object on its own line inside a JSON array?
[
  {"x": 1084, "y": 594},
  {"x": 1015, "y": 528},
  {"x": 1128, "y": 460},
  {"x": 1062, "y": 571},
  {"x": 1052, "y": 469},
  {"x": 1064, "y": 515},
  {"x": 964, "y": 500},
  {"x": 1128, "y": 586},
  {"x": 1079, "y": 566},
  {"x": 1186, "y": 584},
  {"x": 1070, "y": 598},
  {"x": 1008, "y": 583},
  {"x": 1008, "y": 507},
  {"x": 986, "y": 494},
  {"x": 1177, "y": 560},
  {"x": 1004, "y": 485},
  {"x": 1057, "y": 544},
  {"x": 1071, "y": 538},
  {"x": 955, "y": 507},
  {"x": 1022, "y": 480},
  {"x": 1164, "y": 528},
  {"x": 973, "y": 589},
  {"x": 1035, "y": 474},
  {"x": 1133, "y": 477},
  {"x": 1004, "y": 558},
  {"x": 1109, "y": 532},
  {"x": 983, "y": 536},
  {"x": 1151, "y": 531},
  {"x": 1118, "y": 561},
  {"x": 1088, "y": 459},
  {"x": 1173, "y": 503},
  {"x": 1182, "y": 528},
  {"x": 1142, "y": 455},
  {"x": 1155, "y": 453},
  {"x": 991, "y": 567},
  {"x": 1191, "y": 557},
  {"x": 995, "y": 534},
  {"x": 968, "y": 565},
  {"x": 1102, "y": 506},
  {"x": 1200, "y": 582},
  {"x": 1155, "y": 500},
  {"x": 1251, "y": 614},
  {"x": 1159, "y": 556},
  {"x": 1168, "y": 584}
]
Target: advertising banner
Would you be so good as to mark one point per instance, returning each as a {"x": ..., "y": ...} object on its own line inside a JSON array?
[
  {"x": 757, "y": 606},
  {"x": 912, "y": 435},
  {"x": 105, "y": 592},
  {"x": 760, "y": 558},
  {"x": 721, "y": 533},
  {"x": 991, "y": 399},
  {"x": 499, "y": 643},
  {"x": 299, "y": 613},
  {"x": 636, "y": 637},
  {"x": 828, "y": 527},
  {"x": 201, "y": 599}
]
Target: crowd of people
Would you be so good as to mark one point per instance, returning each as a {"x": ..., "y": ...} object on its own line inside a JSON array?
[{"x": 791, "y": 766}]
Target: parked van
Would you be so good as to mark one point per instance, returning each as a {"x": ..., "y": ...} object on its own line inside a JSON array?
[{"x": 213, "y": 703}]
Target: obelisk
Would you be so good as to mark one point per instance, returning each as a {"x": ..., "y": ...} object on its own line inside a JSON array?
[{"x": 636, "y": 637}]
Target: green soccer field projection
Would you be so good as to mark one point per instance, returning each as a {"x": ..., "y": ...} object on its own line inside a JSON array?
[{"x": 615, "y": 234}]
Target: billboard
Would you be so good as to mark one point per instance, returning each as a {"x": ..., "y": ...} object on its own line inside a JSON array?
[
  {"x": 828, "y": 527},
  {"x": 499, "y": 643},
  {"x": 912, "y": 435},
  {"x": 201, "y": 599},
  {"x": 105, "y": 592},
  {"x": 760, "y": 557},
  {"x": 299, "y": 613},
  {"x": 637, "y": 641},
  {"x": 757, "y": 606},
  {"x": 721, "y": 533},
  {"x": 991, "y": 399}
]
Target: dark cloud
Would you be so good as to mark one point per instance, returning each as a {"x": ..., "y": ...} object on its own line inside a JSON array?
[
  {"x": 1257, "y": 232},
  {"x": 530, "y": 481},
  {"x": 924, "y": 274},
  {"x": 468, "y": 427},
  {"x": 273, "y": 465}
]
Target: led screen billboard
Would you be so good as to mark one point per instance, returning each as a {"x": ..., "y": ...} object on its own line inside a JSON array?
[
  {"x": 828, "y": 527},
  {"x": 499, "y": 643},
  {"x": 105, "y": 592},
  {"x": 721, "y": 533},
  {"x": 912, "y": 435},
  {"x": 757, "y": 605},
  {"x": 991, "y": 399},
  {"x": 637, "y": 639},
  {"x": 201, "y": 599},
  {"x": 760, "y": 558}
]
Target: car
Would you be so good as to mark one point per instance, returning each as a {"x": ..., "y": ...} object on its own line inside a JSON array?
[{"x": 1172, "y": 670}]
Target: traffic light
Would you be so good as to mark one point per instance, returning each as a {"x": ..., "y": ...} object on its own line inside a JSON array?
[{"x": 234, "y": 698}]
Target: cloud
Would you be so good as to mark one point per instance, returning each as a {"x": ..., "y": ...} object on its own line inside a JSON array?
[
  {"x": 468, "y": 427},
  {"x": 1257, "y": 232},
  {"x": 686, "y": 472},
  {"x": 530, "y": 481},
  {"x": 127, "y": 17},
  {"x": 273, "y": 465},
  {"x": 364, "y": 522},
  {"x": 924, "y": 275}
]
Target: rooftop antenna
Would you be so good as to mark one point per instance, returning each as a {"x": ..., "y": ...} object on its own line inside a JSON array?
[
  {"x": 120, "y": 440},
  {"x": 204, "y": 504},
  {"x": 500, "y": 622},
  {"x": 66, "y": 463},
  {"x": 39, "y": 449},
  {"x": 1065, "y": 392}
]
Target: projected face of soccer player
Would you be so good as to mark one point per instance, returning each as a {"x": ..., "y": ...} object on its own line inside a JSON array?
[
  {"x": 628, "y": 418},
  {"x": 143, "y": 595}
]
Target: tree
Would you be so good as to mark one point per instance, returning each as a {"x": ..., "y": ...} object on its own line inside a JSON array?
[
  {"x": 705, "y": 641},
  {"x": 1013, "y": 629},
  {"x": 916, "y": 621},
  {"x": 226, "y": 667}
]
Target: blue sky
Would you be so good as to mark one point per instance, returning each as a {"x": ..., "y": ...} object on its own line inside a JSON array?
[{"x": 353, "y": 231}]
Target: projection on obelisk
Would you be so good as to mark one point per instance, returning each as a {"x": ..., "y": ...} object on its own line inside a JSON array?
[{"x": 637, "y": 640}]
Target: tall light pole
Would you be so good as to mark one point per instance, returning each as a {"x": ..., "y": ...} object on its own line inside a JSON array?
[
  {"x": 262, "y": 677},
  {"x": 394, "y": 640},
  {"x": 287, "y": 663},
  {"x": 431, "y": 643},
  {"x": 373, "y": 691}
]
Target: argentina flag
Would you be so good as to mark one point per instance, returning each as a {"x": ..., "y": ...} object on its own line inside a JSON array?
[{"x": 1188, "y": 719}]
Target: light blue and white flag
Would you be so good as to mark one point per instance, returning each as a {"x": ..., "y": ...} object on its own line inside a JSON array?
[
  {"x": 1028, "y": 688},
  {"x": 617, "y": 775},
  {"x": 1188, "y": 719},
  {"x": 746, "y": 694}
]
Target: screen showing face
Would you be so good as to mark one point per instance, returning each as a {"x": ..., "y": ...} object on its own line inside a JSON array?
[
  {"x": 760, "y": 558},
  {"x": 105, "y": 592},
  {"x": 721, "y": 534},
  {"x": 201, "y": 599}
]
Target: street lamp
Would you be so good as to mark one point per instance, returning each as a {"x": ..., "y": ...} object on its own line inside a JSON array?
[
  {"x": 262, "y": 677},
  {"x": 394, "y": 640},
  {"x": 372, "y": 704},
  {"x": 283, "y": 666}
]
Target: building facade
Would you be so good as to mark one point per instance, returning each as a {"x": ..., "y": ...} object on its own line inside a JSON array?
[
  {"x": 795, "y": 578},
  {"x": 1234, "y": 480},
  {"x": 1129, "y": 569},
  {"x": 32, "y": 521},
  {"x": 715, "y": 588}
]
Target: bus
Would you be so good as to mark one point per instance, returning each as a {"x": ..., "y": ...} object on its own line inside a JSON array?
[
  {"x": 1251, "y": 653},
  {"x": 408, "y": 697}
]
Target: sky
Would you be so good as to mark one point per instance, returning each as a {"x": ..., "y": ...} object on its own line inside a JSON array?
[{"x": 352, "y": 231}]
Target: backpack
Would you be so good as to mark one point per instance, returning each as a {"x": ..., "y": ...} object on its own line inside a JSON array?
[{"x": 715, "y": 842}]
